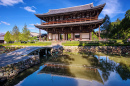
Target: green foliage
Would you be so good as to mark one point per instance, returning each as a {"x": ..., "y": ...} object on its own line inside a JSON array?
[
  {"x": 7, "y": 37},
  {"x": 15, "y": 33},
  {"x": 33, "y": 38},
  {"x": 69, "y": 36},
  {"x": 25, "y": 33},
  {"x": 106, "y": 26},
  {"x": 120, "y": 29},
  {"x": 94, "y": 37},
  {"x": 127, "y": 13}
]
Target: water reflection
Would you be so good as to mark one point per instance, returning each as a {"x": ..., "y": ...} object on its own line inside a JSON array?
[
  {"x": 78, "y": 70},
  {"x": 72, "y": 71},
  {"x": 107, "y": 66}
]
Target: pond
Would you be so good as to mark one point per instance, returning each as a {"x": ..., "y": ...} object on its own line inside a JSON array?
[{"x": 76, "y": 70}]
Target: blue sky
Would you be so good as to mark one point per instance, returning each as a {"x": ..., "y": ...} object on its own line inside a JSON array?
[{"x": 21, "y": 12}]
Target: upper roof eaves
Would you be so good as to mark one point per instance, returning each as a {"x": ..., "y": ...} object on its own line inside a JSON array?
[{"x": 71, "y": 9}]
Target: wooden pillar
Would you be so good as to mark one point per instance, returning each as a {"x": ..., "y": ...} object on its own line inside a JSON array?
[
  {"x": 48, "y": 37},
  {"x": 55, "y": 37},
  {"x": 90, "y": 35},
  {"x": 58, "y": 36},
  {"x": 80, "y": 36},
  {"x": 99, "y": 32},
  {"x": 80, "y": 33},
  {"x": 67, "y": 36},
  {"x": 73, "y": 36},
  {"x": 51, "y": 36},
  {"x": 39, "y": 34},
  {"x": 71, "y": 33}
]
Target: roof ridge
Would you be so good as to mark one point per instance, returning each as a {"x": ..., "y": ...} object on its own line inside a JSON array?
[{"x": 71, "y": 7}]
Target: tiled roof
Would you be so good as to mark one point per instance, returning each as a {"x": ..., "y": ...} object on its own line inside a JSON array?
[
  {"x": 69, "y": 24},
  {"x": 71, "y": 9},
  {"x": 76, "y": 8}
]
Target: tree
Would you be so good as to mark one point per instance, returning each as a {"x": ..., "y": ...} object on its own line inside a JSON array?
[
  {"x": 15, "y": 33},
  {"x": 106, "y": 26},
  {"x": 127, "y": 13},
  {"x": 125, "y": 25},
  {"x": 7, "y": 37},
  {"x": 25, "y": 33}
]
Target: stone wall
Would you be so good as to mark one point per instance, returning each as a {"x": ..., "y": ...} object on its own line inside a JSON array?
[
  {"x": 15, "y": 68},
  {"x": 119, "y": 50}
]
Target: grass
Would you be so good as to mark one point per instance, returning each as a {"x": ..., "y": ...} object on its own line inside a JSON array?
[
  {"x": 27, "y": 44},
  {"x": 95, "y": 43},
  {"x": 118, "y": 40}
]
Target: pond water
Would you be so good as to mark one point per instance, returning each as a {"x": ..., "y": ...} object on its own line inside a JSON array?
[{"x": 75, "y": 70}]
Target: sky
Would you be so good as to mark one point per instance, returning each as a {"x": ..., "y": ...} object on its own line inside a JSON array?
[{"x": 21, "y": 12}]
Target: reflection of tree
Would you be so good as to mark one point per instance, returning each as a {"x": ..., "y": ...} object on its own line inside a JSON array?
[
  {"x": 106, "y": 68},
  {"x": 123, "y": 71},
  {"x": 109, "y": 66}
]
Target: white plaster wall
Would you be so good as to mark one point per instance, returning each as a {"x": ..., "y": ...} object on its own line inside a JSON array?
[
  {"x": 53, "y": 36},
  {"x": 77, "y": 33},
  {"x": 50, "y": 35},
  {"x": 72, "y": 35},
  {"x": 64, "y": 36},
  {"x": 85, "y": 35},
  {"x": 56, "y": 36}
]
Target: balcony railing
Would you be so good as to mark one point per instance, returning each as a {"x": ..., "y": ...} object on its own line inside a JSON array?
[{"x": 70, "y": 21}]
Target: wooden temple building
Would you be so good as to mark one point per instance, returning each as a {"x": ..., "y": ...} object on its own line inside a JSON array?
[{"x": 79, "y": 21}]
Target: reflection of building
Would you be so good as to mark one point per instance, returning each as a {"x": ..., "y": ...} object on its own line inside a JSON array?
[
  {"x": 79, "y": 21},
  {"x": 62, "y": 70}
]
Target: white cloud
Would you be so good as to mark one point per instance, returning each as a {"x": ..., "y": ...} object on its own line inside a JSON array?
[
  {"x": 0, "y": 23},
  {"x": 31, "y": 27},
  {"x": 29, "y": 9},
  {"x": 34, "y": 7},
  {"x": 112, "y": 8},
  {"x": 10, "y": 2},
  {"x": 5, "y": 23},
  {"x": 31, "y": 24}
]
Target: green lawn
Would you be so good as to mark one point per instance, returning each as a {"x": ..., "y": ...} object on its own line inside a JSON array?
[
  {"x": 27, "y": 44},
  {"x": 96, "y": 43}
]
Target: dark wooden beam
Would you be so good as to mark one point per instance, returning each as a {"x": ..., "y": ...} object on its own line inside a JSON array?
[{"x": 99, "y": 32}]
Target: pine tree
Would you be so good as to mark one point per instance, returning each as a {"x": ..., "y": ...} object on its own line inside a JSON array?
[
  {"x": 106, "y": 26},
  {"x": 15, "y": 33},
  {"x": 25, "y": 33}
]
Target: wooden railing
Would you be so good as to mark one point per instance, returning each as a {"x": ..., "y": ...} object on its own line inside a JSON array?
[{"x": 70, "y": 21}]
